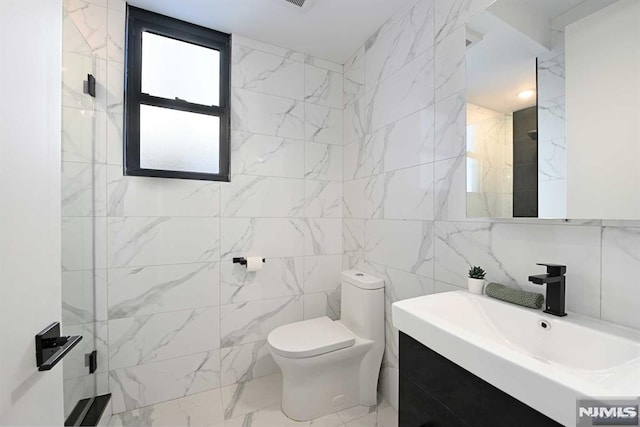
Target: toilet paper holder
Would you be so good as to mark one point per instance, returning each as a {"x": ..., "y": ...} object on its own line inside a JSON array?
[{"x": 243, "y": 261}]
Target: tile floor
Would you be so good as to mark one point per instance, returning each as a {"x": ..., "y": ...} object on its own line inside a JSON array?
[{"x": 255, "y": 403}]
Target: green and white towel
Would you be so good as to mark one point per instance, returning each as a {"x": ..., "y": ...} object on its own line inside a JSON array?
[{"x": 514, "y": 296}]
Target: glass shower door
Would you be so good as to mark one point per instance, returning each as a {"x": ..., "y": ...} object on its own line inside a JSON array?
[{"x": 78, "y": 220}]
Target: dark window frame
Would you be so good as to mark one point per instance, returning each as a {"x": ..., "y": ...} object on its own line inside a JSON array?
[{"x": 139, "y": 21}]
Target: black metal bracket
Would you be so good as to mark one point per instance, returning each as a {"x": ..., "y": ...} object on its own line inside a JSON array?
[
  {"x": 92, "y": 361},
  {"x": 90, "y": 85},
  {"x": 51, "y": 347},
  {"x": 243, "y": 261}
]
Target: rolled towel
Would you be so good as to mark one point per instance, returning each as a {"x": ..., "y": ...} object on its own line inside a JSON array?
[{"x": 514, "y": 296}]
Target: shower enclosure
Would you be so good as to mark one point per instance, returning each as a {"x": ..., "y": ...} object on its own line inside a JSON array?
[{"x": 84, "y": 373}]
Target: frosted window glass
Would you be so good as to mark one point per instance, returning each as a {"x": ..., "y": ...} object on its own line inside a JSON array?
[
  {"x": 171, "y": 68},
  {"x": 178, "y": 140}
]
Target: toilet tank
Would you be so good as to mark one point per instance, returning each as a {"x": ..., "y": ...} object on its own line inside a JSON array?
[{"x": 362, "y": 305}]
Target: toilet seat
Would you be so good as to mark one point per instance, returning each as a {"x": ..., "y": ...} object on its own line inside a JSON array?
[{"x": 310, "y": 338}]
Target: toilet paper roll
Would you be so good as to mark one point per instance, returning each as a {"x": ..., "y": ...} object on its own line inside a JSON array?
[{"x": 254, "y": 263}]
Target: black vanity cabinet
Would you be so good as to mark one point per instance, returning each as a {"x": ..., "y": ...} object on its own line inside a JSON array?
[{"x": 435, "y": 392}]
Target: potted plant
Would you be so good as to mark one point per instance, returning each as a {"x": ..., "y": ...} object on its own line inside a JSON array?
[{"x": 475, "y": 282}]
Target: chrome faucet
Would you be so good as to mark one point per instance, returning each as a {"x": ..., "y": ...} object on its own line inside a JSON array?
[{"x": 555, "y": 281}]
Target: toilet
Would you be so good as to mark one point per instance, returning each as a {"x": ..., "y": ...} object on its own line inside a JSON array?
[{"x": 330, "y": 365}]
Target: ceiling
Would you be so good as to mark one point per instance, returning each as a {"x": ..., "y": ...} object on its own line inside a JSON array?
[{"x": 328, "y": 29}]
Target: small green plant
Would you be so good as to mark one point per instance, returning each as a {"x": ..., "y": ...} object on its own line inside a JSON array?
[{"x": 476, "y": 273}]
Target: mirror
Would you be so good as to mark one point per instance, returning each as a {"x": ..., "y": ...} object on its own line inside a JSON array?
[{"x": 553, "y": 110}]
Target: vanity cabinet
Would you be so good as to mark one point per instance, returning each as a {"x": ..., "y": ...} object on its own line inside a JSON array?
[{"x": 435, "y": 392}]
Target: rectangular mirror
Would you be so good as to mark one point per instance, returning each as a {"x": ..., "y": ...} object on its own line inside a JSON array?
[{"x": 553, "y": 110}]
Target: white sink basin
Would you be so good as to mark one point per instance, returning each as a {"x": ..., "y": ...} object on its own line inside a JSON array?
[{"x": 504, "y": 344}]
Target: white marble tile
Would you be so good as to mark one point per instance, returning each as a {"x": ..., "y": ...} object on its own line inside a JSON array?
[
  {"x": 140, "y": 241},
  {"x": 256, "y": 154},
  {"x": 354, "y": 198},
  {"x": 144, "y": 385},
  {"x": 323, "y": 199},
  {"x": 319, "y": 304},
  {"x": 116, "y": 23},
  {"x": 552, "y": 119},
  {"x": 355, "y": 120},
  {"x": 355, "y": 159},
  {"x": 405, "y": 143},
  {"x": 91, "y": 20},
  {"x": 353, "y": 241},
  {"x": 266, "y": 114},
  {"x": 323, "y": 161},
  {"x": 399, "y": 285},
  {"x": 155, "y": 337},
  {"x": 405, "y": 245},
  {"x": 322, "y": 236},
  {"x": 246, "y": 397},
  {"x": 102, "y": 89},
  {"x": 83, "y": 189},
  {"x": 620, "y": 289},
  {"x": 450, "y": 127},
  {"x": 252, "y": 321},
  {"x": 323, "y": 63},
  {"x": 115, "y": 87},
  {"x": 279, "y": 277},
  {"x": 78, "y": 132},
  {"x": 246, "y": 362},
  {"x": 256, "y": 196},
  {"x": 272, "y": 416},
  {"x": 266, "y": 237},
  {"x": 451, "y": 14},
  {"x": 401, "y": 194},
  {"x": 322, "y": 273},
  {"x": 72, "y": 39},
  {"x": 322, "y": 86},
  {"x": 407, "y": 91},
  {"x": 323, "y": 124},
  {"x": 552, "y": 159},
  {"x": 238, "y": 40},
  {"x": 408, "y": 37},
  {"x": 78, "y": 294},
  {"x": 266, "y": 72},
  {"x": 450, "y": 63},
  {"x": 142, "y": 196},
  {"x": 94, "y": 337},
  {"x": 163, "y": 288},
  {"x": 197, "y": 410},
  {"x": 114, "y": 137},
  {"x": 509, "y": 253},
  {"x": 77, "y": 243},
  {"x": 75, "y": 68},
  {"x": 354, "y": 77},
  {"x": 382, "y": 416},
  {"x": 450, "y": 189}
]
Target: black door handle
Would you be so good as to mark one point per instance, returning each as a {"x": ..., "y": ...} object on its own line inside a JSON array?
[{"x": 51, "y": 347}]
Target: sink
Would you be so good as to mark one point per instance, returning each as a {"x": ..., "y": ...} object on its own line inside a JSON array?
[{"x": 545, "y": 361}]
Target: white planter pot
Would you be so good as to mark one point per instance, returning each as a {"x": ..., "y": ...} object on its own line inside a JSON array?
[{"x": 476, "y": 286}]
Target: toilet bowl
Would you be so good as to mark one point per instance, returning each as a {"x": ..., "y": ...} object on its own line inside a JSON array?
[{"x": 331, "y": 365}]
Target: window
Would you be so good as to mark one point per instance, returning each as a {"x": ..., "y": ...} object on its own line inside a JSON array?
[{"x": 176, "y": 98}]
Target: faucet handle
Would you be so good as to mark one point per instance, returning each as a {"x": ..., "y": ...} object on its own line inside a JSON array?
[{"x": 554, "y": 269}]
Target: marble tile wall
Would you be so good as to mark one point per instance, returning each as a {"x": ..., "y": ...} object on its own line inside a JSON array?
[
  {"x": 405, "y": 185},
  {"x": 179, "y": 317}
]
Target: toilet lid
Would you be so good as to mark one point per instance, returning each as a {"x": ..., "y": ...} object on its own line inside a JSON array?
[{"x": 310, "y": 338}]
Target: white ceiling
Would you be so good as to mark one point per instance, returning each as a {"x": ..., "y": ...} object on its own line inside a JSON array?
[{"x": 328, "y": 29}]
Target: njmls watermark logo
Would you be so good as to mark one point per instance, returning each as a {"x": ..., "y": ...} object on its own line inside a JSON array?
[{"x": 607, "y": 412}]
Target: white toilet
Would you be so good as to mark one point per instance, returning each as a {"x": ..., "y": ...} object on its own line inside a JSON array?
[{"x": 328, "y": 365}]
